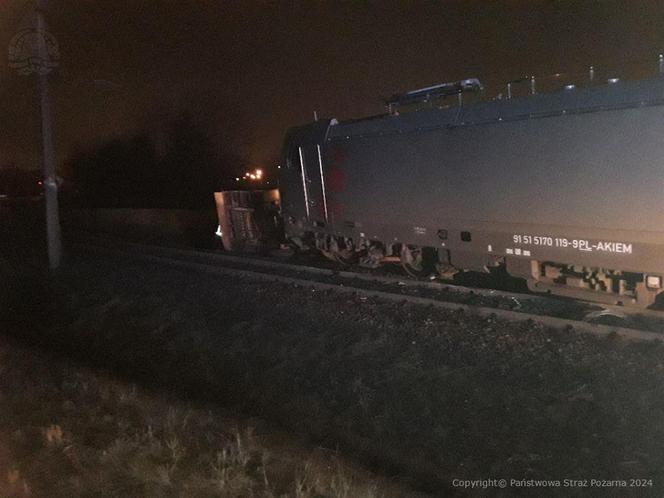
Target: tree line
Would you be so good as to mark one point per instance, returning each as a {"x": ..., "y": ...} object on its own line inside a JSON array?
[{"x": 180, "y": 169}]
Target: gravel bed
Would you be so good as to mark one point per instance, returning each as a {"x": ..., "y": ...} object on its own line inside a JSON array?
[
  {"x": 547, "y": 306},
  {"x": 423, "y": 394}
]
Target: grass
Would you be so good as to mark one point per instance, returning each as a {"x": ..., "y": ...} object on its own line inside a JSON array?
[{"x": 70, "y": 432}]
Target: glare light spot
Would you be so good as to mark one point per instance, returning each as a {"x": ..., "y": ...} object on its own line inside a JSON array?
[{"x": 255, "y": 175}]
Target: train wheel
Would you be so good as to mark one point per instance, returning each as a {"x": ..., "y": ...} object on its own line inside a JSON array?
[
  {"x": 324, "y": 245},
  {"x": 373, "y": 256},
  {"x": 444, "y": 268},
  {"x": 343, "y": 250},
  {"x": 446, "y": 271},
  {"x": 419, "y": 262}
]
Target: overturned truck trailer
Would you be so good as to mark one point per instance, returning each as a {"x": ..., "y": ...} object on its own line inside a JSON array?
[{"x": 249, "y": 220}]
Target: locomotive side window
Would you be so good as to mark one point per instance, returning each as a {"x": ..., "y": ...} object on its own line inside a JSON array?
[{"x": 293, "y": 159}]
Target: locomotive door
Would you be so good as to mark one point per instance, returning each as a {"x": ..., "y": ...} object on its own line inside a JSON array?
[
  {"x": 302, "y": 184},
  {"x": 311, "y": 163}
]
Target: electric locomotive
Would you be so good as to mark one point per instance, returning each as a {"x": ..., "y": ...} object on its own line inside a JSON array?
[{"x": 563, "y": 189}]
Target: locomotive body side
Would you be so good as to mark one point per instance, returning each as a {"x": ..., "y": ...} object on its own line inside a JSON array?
[{"x": 562, "y": 189}]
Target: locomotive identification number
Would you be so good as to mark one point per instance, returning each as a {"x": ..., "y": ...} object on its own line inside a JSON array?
[{"x": 577, "y": 244}]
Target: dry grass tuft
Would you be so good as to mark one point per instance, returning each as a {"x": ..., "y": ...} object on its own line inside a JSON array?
[
  {"x": 120, "y": 441},
  {"x": 54, "y": 435}
]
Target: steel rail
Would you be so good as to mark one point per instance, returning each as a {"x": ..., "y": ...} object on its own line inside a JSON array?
[
  {"x": 482, "y": 311},
  {"x": 403, "y": 281}
]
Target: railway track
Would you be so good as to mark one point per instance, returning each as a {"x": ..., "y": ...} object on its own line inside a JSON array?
[{"x": 641, "y": 325}]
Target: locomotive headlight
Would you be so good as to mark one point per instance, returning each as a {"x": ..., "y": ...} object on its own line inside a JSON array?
[{"x": 653, "y": 282}]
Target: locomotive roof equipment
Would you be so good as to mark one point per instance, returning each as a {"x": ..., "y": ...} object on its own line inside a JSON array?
[{"x": 433, "y": 92}]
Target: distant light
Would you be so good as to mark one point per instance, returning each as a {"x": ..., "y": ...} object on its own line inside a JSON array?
[
  {"x": 237, "y": 179},
  {"x": 570, "y": 87},
  {"x": 255, "y": 175},
  {"x": 613, "y": 80}
]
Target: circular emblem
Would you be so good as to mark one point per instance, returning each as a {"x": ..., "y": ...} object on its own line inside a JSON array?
[{"x": 26, "y": 55}]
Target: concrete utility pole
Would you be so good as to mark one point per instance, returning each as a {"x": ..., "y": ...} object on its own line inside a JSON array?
[
  {"x": 54, "y": 236},
  {"x": 33, "y": 50}
]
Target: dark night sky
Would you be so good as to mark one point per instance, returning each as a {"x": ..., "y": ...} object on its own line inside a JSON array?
[{"x": 248, "y": 70}]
